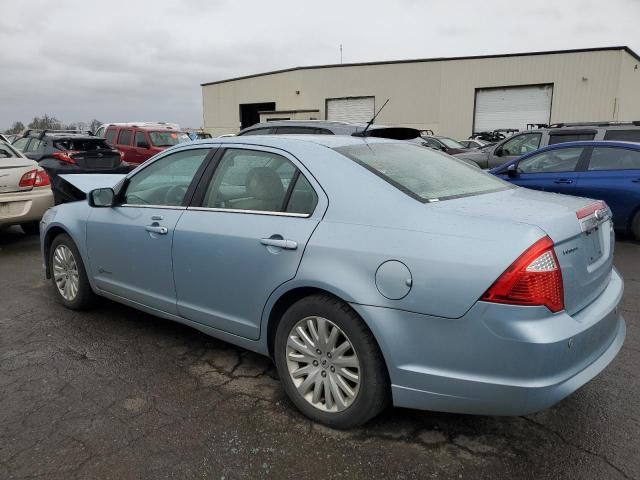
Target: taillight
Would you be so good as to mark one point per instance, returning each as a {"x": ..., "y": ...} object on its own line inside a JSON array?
[
  {"x": 590, "y": 209},
  {"x": 34, "y": 178},
  {"x": 121, "y": 154},
  {"x": 533, "y": 279},
  {"x": 64, "y": 157}
]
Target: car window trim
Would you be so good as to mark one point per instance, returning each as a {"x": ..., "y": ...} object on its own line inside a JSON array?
[
  {"x": 188, "y": 196},
  {"x": 203, "y": 185}
]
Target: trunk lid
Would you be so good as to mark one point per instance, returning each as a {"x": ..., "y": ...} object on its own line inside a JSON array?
[
  {"x": 584, "y": 247},
  {"x": 11, "y": 171},
  {"x": 90, "y": 153}
]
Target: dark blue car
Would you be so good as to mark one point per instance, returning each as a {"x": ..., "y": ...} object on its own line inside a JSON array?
[{"x": 608, "y": 171}]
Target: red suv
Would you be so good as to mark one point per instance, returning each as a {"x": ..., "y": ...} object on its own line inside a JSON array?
[{"x": 141, "y": 141}]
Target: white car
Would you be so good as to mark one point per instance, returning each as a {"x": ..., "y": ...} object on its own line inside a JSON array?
[{"x": 25, "y": 190}]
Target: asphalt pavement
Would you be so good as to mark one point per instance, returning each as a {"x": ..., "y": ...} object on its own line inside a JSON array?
[{"x": 115, "y": 393}]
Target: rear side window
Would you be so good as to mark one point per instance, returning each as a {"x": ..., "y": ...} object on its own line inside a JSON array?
[
  {"x": 110, "y": 137},
  {"x": 34, "y": 145},
  {"x": 422, "y": 173},
  {"x": 608, "y": 158},
  {"x": 623, "y": 135},
  {"x": 125, "y": 137},
  {"x": 573, "y": 137},
  {"x": 85, "y": 145}
]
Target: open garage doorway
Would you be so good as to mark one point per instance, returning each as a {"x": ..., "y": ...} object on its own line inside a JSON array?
[{"x": 249, "y": 112}]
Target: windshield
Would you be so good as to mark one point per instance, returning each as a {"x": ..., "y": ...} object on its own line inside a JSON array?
[
  {"x": 167, "y": 139},
  {"x": 424, "y": 174},
  {"x": 450, "y": 142}
]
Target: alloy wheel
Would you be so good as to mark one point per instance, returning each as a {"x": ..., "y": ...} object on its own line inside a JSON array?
[
  {"x": 323, "y": 364},
  {"x": 65, "y": 272}
]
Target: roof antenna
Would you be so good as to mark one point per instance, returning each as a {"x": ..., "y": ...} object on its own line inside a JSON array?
[
  {"x": 340, "y": 54},
  {"x": 362, "y": 134}
]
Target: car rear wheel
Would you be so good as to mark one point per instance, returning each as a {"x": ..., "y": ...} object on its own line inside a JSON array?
[
  {"x": 31, "y": 228},
  {"x": 68, "y": 274},
  {"x": 329, "y": 362}
]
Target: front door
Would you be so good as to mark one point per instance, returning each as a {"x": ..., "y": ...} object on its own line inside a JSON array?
[
  {"x": 243, "y": 237},
  {"x": 550, "y": 171},
  {"x": 129, "y": 245}
]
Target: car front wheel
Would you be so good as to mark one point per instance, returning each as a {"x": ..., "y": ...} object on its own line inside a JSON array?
[
  {"x": 68, "y": 274},
  {"x": 329, "y": 362}
]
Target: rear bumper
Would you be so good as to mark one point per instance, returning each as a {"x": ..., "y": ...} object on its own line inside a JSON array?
[
  {"x": 491, "y": 362},
  {"x": 25, "y": 207}
]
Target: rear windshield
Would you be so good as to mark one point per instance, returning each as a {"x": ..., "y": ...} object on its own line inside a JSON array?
[
  {"x": 167, "y": 139},
  {"x": 422, "y": 173},
  {"x": 6, "y": 151},
  {"x": 82, "y": 145}
]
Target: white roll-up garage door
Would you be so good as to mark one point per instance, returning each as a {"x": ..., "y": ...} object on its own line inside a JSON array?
[
  {"x": 352, "y": 109},
  {"x": 512, "y": 107}
]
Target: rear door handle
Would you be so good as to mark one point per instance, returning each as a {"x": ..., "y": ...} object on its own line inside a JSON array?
[
  {"x": 565, "y": 181},
  {"x": 280, "y": 243},
  {"x": 157, "y": 229}
]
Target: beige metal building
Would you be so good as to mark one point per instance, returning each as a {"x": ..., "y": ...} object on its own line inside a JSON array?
[{"x": 451, "y": 96}]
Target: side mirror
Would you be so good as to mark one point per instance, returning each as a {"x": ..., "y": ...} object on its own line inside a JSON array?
[
  {"x": 498, "y": 152},
  {"x": 142, "y": 145},
  {"x": 102, "y": 198},
  {"x": 512, "y": 170}
]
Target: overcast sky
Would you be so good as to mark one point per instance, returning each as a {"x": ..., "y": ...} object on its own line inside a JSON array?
[{"x": 139, "y": 60}]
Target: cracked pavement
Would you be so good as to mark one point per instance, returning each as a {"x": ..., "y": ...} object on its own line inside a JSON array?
[{"x": 116, "y": 393}]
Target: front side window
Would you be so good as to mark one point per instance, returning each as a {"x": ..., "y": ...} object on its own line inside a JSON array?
[
  {"x": 560, "y": 160},
  {"x": 110, "y": 136},
  {"x": 422, "y": 173},
  {"x": 21, "y": 143},
  {"x": 522, "y": 144},
  {"x": 168, "y": 139},
  {"x": 140, "y": 139},
  {"x": 260, "y": 131},
  {"x": 256, "y": 180},
  {"x": 606, "y": 158},
  {"x": 165, "y": 182}
]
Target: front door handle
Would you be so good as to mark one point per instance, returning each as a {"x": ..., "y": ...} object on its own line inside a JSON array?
[
  {"x": 564, "y": 181},
  {"x": 157, "y": 229},
  {"x": 280, "y": 243}
]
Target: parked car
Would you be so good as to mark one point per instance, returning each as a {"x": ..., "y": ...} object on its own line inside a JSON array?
[
  {"x": 472, "y": 144},
  {"x": 605, "y": 170},
  {"x": 25, "y": 192},
  {"x": 531, "y": 140},
  {"x": 370, "y": 270},
  {"x": 323, "y": 127},
  {"x": 67, "y": 152},
  {"x": 445, "y": 144},
  {"x": 140, "y": 141}
]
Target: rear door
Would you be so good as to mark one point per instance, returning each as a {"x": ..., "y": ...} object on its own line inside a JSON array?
[
  {"x": 551, "y": 171},
  {"x": 613, "y": 175},
  {"x": 243, "y": 236}
]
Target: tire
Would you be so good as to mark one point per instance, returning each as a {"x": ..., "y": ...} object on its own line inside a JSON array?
[
  {"x": 31, "y": 228},
  {"x": 65, "y": 258},
  {"x": 370, "y": 393}
]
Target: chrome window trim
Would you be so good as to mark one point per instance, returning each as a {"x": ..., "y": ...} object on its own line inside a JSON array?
[
  {"x": 255, "y": 212},
  {"x": 167, "y": 207}
]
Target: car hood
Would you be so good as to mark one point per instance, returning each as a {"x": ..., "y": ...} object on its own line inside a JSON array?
[{"x": 85, "y": 182}]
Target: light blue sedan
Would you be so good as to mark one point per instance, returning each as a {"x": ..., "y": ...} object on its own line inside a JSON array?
[{"x": 371, "y": 271}]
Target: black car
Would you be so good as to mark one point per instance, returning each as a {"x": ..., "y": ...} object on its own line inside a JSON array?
[
  {"x": 325, "y": 127},
  {"x": 68, "y": 152}
]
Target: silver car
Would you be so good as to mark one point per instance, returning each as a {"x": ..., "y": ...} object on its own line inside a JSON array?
[{"x": 371, "y": 271}]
